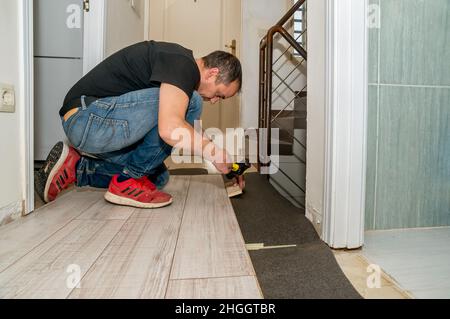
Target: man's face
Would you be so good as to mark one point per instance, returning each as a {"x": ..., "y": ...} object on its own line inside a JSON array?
[{"x": 211, "y": 91}]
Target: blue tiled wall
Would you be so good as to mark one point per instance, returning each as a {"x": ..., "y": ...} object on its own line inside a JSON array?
[{"x": 408, "y": 173}]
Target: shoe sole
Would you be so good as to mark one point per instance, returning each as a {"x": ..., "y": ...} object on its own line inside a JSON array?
[
  {"x": 55, "y": 169},
  {"x": 123, "y": 201}
]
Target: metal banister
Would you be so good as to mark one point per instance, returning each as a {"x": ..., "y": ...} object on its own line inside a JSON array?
[{"x": 266, "y": 74}]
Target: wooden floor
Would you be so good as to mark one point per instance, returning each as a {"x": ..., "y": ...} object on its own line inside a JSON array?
[{"x": 191, "y": 249}]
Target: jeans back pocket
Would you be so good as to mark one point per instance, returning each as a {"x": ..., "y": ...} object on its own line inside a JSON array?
[{"x": 103, "y": 135}]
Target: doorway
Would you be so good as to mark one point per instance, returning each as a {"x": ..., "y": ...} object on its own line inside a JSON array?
[
  {"x": 61, "y": 43},
  {"x": 194, "y": 24},
  {"x": 58, "y": 64}
]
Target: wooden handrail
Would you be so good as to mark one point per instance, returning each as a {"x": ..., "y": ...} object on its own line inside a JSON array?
[{"x": 290, "y": 13}]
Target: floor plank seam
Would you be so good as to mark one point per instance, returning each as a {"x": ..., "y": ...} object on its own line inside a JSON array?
[
  {"x": 242, "y": 237},
  {"x": 48, "y": 237},
  {"x": 101, "y": 253},
  {"x": 207, "y": 278},
  {"x": 178, "y": 236},
  {"x": 245, "y": 247},
  {"x": 213, "y": 215}
]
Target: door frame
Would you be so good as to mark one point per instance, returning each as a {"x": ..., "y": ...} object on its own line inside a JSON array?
[
  {"x": 94, "y": 36},
  {"x": 93, "y": 53},
  {"x": 345, "y": 123}
]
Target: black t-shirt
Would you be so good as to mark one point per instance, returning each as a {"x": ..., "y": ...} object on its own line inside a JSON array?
[{"x": 140, "y": 66}]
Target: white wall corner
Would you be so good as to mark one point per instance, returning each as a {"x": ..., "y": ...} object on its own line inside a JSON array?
[
  {"x": 27, "y": 98},
  {"x": 11, "y": 212},
  {"x": 346, "y": 122},
  {"x": 316, "y": 112}
]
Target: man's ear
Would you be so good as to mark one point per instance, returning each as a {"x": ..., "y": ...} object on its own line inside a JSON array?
[{"x": 212, "y": 73}]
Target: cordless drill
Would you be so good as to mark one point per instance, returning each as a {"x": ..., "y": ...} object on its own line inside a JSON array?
[{"x": 238, "y": 169}]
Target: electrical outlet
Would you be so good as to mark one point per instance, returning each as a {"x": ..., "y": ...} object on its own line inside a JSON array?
[{"x": 7, "y": 98}]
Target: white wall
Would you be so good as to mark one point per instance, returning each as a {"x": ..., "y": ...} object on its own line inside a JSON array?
[
  {"x": 124, "y": 25},
  {"x": 258, "y": 17},
  {"x": 156, "y": 23},
  {"x": 11, "y": 136},
  {"x": 316, "y": 110}
]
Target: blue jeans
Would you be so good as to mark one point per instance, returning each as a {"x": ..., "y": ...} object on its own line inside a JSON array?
[{"x": 122, "y": 134}]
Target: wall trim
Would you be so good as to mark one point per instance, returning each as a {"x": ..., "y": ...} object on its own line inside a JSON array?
[
  {"x": 346, "y": 123},
  {"x": 27, "y": 75},
  {"x": 94, "y": 35}
]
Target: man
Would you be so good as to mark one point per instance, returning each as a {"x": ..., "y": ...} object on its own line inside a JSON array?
[{"x": 122, "y": 115}]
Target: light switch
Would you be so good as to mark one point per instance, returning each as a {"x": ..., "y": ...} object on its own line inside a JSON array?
[{"x": 7, "y": 98}]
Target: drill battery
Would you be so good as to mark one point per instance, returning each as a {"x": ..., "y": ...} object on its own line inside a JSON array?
[{"x": 238, "y": 169}]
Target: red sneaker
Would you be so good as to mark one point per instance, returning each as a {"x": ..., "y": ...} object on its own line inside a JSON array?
[
  {"x": 140, "y": 193},
  {"x": 58, "y": 173}
]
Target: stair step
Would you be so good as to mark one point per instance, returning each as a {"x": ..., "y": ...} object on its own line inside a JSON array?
[{"x": 290, "y": 123}]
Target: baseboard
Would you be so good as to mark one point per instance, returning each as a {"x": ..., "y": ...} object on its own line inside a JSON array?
[
  {"x": 11, "y": 212},
  {"x": 315, "y": 217}
]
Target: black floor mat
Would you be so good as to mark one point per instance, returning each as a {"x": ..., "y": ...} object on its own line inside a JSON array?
[
  {"x": 267, "y": 217},
  {"x": 304, "y": 272},
  {"x": 188, "y": 171}
]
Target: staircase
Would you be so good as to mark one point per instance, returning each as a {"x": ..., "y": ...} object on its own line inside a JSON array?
[{"x": 282, "y": 102}]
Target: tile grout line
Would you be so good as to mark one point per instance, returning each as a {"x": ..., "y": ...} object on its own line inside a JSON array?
[
  {"x": 377, "y": 160},
  {"x": 178, "y": 237},
  {"x": 406, "y": 229},
  {"x": 377, "y": 147},
  {"x": 424, "y": 86}
]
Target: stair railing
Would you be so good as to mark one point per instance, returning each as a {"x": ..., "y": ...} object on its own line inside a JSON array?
[{"x": 266, "y": 76}]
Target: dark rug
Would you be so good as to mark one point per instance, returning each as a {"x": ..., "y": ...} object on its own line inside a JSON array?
[
  {"x": 188, "y": 171},
  {"x": 308, "y": 271}
]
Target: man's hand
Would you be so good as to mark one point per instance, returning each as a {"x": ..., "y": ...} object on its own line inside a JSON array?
[
  {"x": 223, "y": 168},
  {"x": 222, "y": 160},
  {"x": 240, "y": 180}
]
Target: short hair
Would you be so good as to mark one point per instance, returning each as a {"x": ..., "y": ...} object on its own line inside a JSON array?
[{"x": 229, "y": 67}]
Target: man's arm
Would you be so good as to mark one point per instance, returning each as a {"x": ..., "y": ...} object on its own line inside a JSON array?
[{"x": 173, "y": 103}]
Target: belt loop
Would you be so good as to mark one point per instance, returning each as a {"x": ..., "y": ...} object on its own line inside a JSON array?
[{"x": 83, "y": 103}]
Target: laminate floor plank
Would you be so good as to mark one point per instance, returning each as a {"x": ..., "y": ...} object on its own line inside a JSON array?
[
  {"x": 210, "y": 244},
  {"x": 137, "y": 263},
  {"x": 102, "y": 210},
  {"x": 20, "y": 237},
  {"x": 52, "y": 269},
  {"x": 245, "y": 287},
  {"x": 81, "y": 246}
]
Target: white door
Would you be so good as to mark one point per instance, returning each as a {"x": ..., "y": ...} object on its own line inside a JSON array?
[
  {"x": 58, "y": 65},
  {"x": 203, "y": 26}
]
